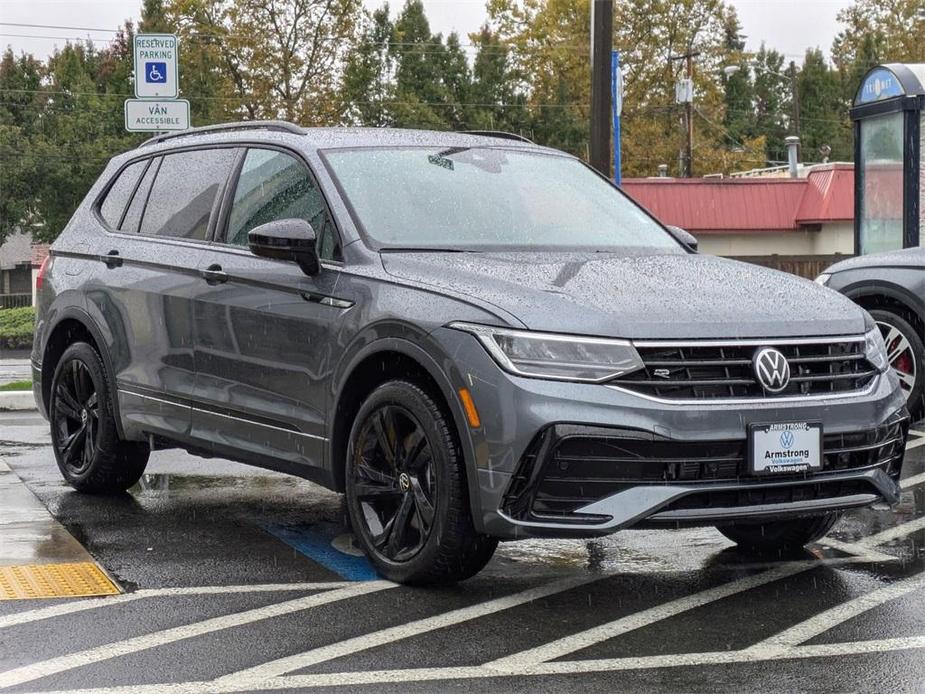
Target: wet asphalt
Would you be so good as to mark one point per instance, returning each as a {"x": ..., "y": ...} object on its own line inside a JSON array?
[{"x": 237, "y": 579}]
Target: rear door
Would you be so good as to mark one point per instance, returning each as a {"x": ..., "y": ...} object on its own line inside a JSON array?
[
  {"x": 144, "y": 292},
  {"x": 263, "y": 328}
]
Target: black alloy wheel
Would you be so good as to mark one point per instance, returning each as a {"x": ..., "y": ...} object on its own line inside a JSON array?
[
  {"x": 406, "y": 490},
  {"x": 394, "y": 482},
  {"x": 76, "y": 421},
  {"x": 84, "y": 436}
]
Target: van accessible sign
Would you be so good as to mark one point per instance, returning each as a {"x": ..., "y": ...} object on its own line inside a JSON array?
[
  {"x": 147, "y": 115},
  {"x": 156, "y": 66}
]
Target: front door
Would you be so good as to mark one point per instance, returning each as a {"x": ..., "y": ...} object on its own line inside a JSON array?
[{"x": 262, "y": 327}]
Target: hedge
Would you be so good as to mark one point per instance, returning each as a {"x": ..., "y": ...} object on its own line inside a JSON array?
[{"x": 16, "y": 326}]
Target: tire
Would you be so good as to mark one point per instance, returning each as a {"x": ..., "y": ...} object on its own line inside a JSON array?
[
  {"x": 910, "y": 354},
  {"x": 404, "y": 467},
  {"x": 84, "y": 437},
  {"x": 781, "y": 538}
]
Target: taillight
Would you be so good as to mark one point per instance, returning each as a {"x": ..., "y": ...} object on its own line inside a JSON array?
[{"x": 40, "y": 278}]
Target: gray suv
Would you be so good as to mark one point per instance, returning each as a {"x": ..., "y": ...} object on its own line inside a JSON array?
[{"x": 472, "y": 337}]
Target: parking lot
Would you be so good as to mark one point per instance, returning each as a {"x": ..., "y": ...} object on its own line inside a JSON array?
[{"x": 235, "y": 579}]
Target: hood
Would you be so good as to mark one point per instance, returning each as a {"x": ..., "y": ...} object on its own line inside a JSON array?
[
  {"x": 909, "y": 257},
  {"x": 660, "y": 296}
]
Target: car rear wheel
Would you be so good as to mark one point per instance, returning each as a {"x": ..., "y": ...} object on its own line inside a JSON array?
[
  {"x": 779, "y": 537},
  {"x": 84, "y": 437},
  {"x": 406, "y": 490},
  {"x": 906, "y": 352}
]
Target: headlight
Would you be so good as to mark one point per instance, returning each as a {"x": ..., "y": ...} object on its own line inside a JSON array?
[
  {"x": 557, "y": 357},
  {"x": 875, "y": 350},
  {"x": 823, "y": 279}
]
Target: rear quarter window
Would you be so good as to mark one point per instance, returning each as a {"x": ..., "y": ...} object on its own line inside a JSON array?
[{"x": 113, "y": 205}]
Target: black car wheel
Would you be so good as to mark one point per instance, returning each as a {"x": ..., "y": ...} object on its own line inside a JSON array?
[
  {"x": 406, "y": 490},
  {"x": 906, "y": 352},
  {"x": 779, "y": 538},
  {"x": 84, "y": 437}
]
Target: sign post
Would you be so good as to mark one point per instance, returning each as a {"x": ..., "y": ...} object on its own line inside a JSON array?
[
  {"x": 616, "y": 86},
  {"x": 156, "y": 107}
]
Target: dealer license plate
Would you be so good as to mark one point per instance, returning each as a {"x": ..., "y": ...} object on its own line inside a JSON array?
[{"x": 786, "y": 448}]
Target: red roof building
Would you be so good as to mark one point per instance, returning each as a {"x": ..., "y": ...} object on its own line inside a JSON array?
[{"x": 758, "y": 216}]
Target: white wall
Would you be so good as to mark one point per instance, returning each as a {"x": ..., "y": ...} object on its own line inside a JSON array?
[{"x": 837, "y": 237}]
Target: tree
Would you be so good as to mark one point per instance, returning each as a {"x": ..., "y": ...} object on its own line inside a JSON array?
[
  {"x": 367, "y": 78},
  {"x": 496, "y": 99},
  {"x": 276, "y": 58},
  {"x": 879, "y": 31},
  {"x": 823, "y": 113}
]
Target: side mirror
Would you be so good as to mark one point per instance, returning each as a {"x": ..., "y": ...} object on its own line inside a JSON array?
[
  {"x": 684, "y": 237},
  {"x": 286, "y": 239}
]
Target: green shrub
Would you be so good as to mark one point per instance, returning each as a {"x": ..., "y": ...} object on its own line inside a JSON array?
[
  {"x": 16, "y": 386},
  {"x": 16, "y": 326}
]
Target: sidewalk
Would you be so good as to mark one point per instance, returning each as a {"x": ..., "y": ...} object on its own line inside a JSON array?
[{"x": 39, "y": 558}]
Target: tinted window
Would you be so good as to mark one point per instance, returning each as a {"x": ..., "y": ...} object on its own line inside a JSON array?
[
  {"x": 137, "y": 206},
  {"x": 272, "y": 186},
  {"x": 184, "y": 193},
  {"x": 119, "y": 193}
]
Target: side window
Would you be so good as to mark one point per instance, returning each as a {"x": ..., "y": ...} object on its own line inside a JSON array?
[
  {"x": 274, "y": 185},
  {"x": 119, "y": 193},
  {"x": 137, "y": 206},
  {"x": 184, "y": 193}
]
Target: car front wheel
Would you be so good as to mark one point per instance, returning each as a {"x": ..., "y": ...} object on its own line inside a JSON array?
[
  {"x": 406, "y": 490},
  {"x": 906, "y": 352}
]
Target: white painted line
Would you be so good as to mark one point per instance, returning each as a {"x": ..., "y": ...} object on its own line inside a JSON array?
[
  {"x": 915, "y": 444},
  {"x": 894, "y": 533},
  {"x": 828, "y": 619},
  {"x": 867, "y": 553},
  {"x": 28, "y": 673},
  {"x": 910, "y": 482},
  {"x": 576, "y": 642},
  {"x": 916, "y": 432},
  {"x": 354, "y": 679},
  {"x": 94, "y": 603},
  {"x": 403, "y": 631}
]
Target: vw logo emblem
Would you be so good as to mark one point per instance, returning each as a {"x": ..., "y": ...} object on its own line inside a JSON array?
[
  {"x": 786, "y": 440},
  {"x": 771, "y": 369},
  {"x": 404, "y": 482}
]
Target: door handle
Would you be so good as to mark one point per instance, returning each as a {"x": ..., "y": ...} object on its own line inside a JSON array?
[
  {"x": 112, "y": 259},
  {"x": 214, "y": 275}
]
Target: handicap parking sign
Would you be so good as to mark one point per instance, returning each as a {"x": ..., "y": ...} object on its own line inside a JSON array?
[
  {"x": 156, "y": 73},
  {"x": 156, "y": 66}
]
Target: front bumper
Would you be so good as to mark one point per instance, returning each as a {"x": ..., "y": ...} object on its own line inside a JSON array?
[{"x": 517, "y": 413}]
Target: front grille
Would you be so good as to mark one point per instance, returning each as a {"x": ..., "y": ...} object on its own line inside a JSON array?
[
  {"x": 568, "y": 467},
  {"x": 695, "y": 372}
]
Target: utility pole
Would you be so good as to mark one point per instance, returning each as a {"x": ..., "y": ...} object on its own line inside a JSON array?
[
  {"x": 685, "y": 94},
  {"x": 795, "y": 97},
  {"x": 601, "y": 44}
]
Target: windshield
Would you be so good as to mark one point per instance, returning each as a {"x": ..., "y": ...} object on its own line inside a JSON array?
[{"x": 476, "y": 198}]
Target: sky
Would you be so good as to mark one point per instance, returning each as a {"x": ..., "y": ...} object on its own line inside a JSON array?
[{"x": 790, "y": 26}]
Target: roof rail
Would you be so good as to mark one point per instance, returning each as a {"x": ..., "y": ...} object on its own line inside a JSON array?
[
  {"x": 500, "y": 134},
  {"x": 277, "y": 125}
]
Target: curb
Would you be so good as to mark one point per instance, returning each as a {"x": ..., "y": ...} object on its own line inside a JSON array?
[{"x": 17, "y": 400}]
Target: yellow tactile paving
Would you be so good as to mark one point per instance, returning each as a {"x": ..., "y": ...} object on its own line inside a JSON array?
[{"x": 54, "y": 581}]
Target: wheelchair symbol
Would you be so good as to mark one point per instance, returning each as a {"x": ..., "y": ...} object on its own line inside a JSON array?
[{"x": 156, "y": 73}]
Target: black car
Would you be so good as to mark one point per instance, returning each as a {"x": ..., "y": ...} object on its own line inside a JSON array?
[
  {"x": 474, "y": 338},
  {"x": 892, "y": 287}
]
